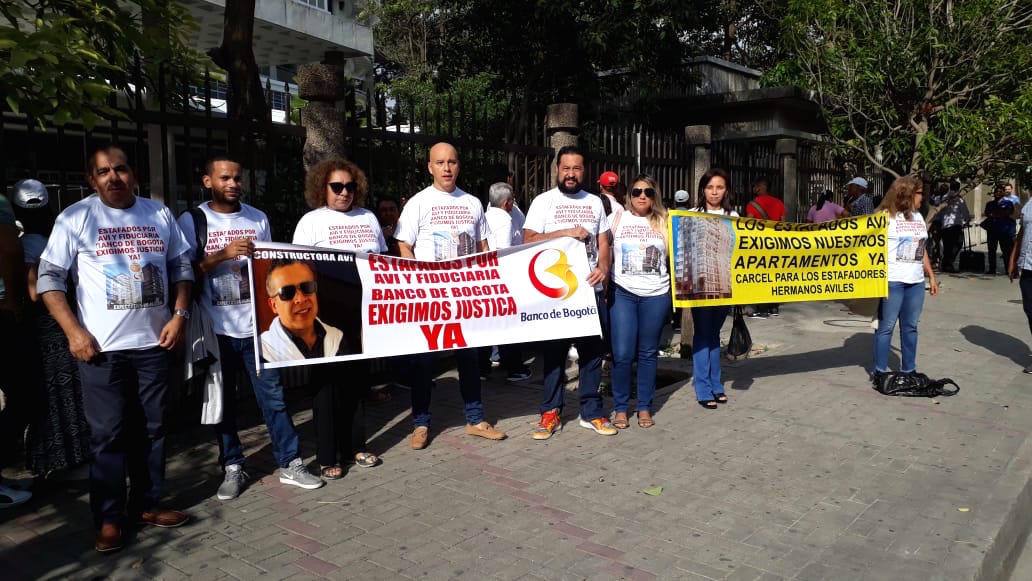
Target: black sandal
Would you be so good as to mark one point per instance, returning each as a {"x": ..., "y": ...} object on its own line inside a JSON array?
[
  {"x": 720, "y": 397},
  {"x": 708, "y": 404}
]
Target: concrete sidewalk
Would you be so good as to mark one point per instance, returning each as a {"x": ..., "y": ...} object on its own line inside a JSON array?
[{"x": 806, "y": 474}]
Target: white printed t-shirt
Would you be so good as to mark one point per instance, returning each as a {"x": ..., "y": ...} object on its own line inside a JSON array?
[
  {"x": 441, "y": 225},
  {"x": 119, "y": 260},
  {"x": 554, "y": 210},
  {"x": 357, "y": 229},
  {"x": 503, "y": 229},
  {"x": 907, "y": 248},
  {"x": 226, "y": 295},
  {"x": 640, "y": 256}
]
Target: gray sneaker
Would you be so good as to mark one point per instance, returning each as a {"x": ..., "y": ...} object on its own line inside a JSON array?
[
  {"x": 234, "y": 483},
  {"x": 1028, "y": 369},
  {"x": 298, "y": 475}
]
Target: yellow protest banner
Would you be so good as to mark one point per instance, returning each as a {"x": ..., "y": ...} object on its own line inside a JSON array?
[{"x": 723, "y": 260}]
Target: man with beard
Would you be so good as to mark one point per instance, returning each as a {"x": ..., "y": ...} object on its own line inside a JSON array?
[
  {"x": 442, "y": 222},
  {"x": 228, "y": 231},
  {"x": 568, "y": 210}
]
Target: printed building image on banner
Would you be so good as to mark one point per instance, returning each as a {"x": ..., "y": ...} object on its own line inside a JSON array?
[
  {"x": 721, "y": 260},
  {"x": 702, "y": 258},
  {"x": 315, "y": 305}
]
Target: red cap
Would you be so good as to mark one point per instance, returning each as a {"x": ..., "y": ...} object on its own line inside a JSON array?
[{"x": 609, "y": 179}]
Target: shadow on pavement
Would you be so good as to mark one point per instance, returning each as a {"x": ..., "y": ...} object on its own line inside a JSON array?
[{"x": 1000, "y": 343}]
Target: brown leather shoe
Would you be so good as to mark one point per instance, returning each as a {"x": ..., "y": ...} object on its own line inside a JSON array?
[
  {"x": 109, "y": 538},
  {"x": 420, "y": 436},
  {"x": 485, "y": 430},
  {"x": 164, "y": 518}
]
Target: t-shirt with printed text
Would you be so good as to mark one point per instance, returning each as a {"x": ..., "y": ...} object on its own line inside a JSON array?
[
  {"x": 226, "y": 291},
  {"x": 357, "y": 229},
  {"x": 441, "y": 225},
  {"x": 553, "y": 210},
  {"x": 639, "y": 256},
  {"x": 906, "y": 246},
  {"x": 119, "y": 260}
]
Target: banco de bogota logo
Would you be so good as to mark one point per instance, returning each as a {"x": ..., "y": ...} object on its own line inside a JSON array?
[{"x": 561, "y": 269}]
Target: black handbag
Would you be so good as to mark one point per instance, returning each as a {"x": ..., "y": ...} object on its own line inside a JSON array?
[
  {"x": 741, "y": 341},
  {"x": 913, "y": 385}
]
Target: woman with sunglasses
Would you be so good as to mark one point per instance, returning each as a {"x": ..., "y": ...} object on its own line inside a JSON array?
[
  {"x": 908, "y": 265},
  {"x": 712, "y": 198},
  {"x": 336, "y": 189},
  {"x": 641, "y": 297}
]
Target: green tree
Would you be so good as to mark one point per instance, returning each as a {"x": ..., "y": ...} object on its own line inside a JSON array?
[
  {"x": 64, "y": 58},
  {"x": 535, "y": 51},
  {"x": 937, "y": 86}
]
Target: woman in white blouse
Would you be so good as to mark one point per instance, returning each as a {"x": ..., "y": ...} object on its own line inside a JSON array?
[{"x": 641, "y": 297}]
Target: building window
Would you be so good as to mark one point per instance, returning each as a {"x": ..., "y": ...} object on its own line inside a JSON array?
[
  {"x": 219, "y": 90},
  {"x": 278, "y": 100},
  {"x": 320, "y": 4}
]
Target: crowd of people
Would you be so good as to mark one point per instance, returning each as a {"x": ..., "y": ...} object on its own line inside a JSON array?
[{"x": 111, "y": 285}]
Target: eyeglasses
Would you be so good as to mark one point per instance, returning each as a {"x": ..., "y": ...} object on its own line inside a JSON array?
[
  {"x": 649, "y": 192},
  {"x": 339, "y": 187},
  {"x": 287, "y": 293}
]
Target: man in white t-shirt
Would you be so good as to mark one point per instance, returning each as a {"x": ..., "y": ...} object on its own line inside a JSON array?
[
  {"x": 123, "y": 252},
  {"x": 504, "y": 233},
  {"x": 230, "y": 228},
  {"x": 443, "y": 222},
  {"x": 568, "y": 210}
]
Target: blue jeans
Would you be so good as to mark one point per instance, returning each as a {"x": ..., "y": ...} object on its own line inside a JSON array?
[
  {"x": 707, "y": 322},
  {"x": 904, "y": 304},
  {"x": 123, "y": 396},
  {"x": 637, "y": 321},
  {"x": 424, "y": 368},
  {"x": 589, "y": 360},
  {"x": 237, "y": 354}
]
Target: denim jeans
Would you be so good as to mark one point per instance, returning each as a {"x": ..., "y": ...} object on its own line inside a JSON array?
[
  {"x": 637, "y": 322},
  {"x": 589, "y": 360},
  {"x": 904, "y": 304},
  {"x": 237, "y": 355},
  {"x": 707, "y": 322},
  {"x": 424, "y": 368},
  {"x": 124, "y": 394}
]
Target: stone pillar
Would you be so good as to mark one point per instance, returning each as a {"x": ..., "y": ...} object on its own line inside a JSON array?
[
  {"x": 700, "y": 138},
  {"x": 787, "y": 150},
  {"x": 563, "y": 122},
  {"x": 322, "y": 85}
]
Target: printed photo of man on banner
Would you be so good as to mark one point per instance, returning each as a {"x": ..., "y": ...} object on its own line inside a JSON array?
[
  {"x": 724, "y": 260},
  {"x": 316, "y": 305}
]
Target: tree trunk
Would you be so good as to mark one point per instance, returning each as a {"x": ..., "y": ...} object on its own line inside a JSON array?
[{"x": 246, "y": 102}]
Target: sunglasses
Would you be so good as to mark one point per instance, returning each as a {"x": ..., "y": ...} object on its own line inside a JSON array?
[
  {"x": 649, "y": 192},
  {"x": 287, "y": 293},
  {"x": 339, "y": 187}
]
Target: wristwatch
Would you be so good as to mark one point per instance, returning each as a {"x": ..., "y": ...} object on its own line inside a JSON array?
[{"x": 182, "y": 313}]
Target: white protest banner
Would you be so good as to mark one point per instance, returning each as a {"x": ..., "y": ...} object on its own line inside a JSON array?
[{"x": 316, "y": 305}]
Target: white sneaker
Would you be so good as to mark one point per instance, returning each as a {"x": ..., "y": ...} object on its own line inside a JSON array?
[{"x": 10, "y": 497}]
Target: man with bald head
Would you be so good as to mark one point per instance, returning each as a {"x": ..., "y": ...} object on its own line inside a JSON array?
[{"x": 442, "y": 222}]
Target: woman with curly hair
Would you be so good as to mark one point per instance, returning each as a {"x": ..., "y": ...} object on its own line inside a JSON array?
[
  {"x": 641, "y": 296},
  {"x": 908, "y": 265},
  {"x": 336, "y": 191}
]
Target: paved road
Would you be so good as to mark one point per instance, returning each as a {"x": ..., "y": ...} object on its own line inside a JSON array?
[{"x": 806, "y": 474}]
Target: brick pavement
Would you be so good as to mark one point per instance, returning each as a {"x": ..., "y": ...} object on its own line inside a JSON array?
[{"x": 806, "y": 474}]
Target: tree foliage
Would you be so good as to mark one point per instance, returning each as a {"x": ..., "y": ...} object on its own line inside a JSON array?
[
  {"x": 937, "y": 86},
  {"x": 534, "y": 51},
  {"x": 64, "y": 58}
]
